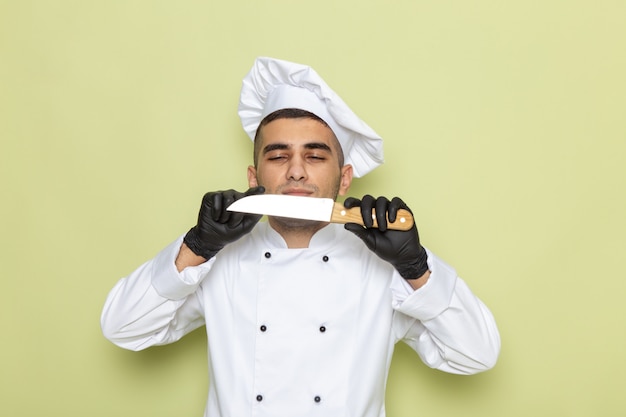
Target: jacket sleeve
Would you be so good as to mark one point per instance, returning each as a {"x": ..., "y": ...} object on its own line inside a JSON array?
[
  {"x": 156, "y": 304},
  {"x": 445, "y": 323}
]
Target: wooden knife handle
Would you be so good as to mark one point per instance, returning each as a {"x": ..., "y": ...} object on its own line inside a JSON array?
[{"x": 404, "y": 219}]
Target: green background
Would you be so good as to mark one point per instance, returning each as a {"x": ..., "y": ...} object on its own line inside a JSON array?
[{"x": 505, "y": 133}]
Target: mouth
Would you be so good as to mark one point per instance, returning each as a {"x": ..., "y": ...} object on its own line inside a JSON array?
[{"x": 297, "y": 191}]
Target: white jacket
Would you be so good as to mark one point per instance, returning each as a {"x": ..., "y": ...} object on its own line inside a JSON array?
[{"x": 301, "y": 332}]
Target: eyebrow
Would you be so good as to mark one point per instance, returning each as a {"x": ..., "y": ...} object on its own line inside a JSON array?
[
  {"x": 283, "y": 146},
  {"x": 318, "y": 145}
]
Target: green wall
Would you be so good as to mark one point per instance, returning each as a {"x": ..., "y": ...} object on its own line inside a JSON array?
[{"x": 505, "y": 133}]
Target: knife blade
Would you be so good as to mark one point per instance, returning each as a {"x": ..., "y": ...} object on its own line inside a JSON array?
[{"x": 312, "y": 208}]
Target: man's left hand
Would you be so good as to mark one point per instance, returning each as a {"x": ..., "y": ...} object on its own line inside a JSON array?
[{"x": 402, "y": 249}]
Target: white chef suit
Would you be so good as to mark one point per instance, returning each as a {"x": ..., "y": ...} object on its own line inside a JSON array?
[{"x": 301, "y": 332}]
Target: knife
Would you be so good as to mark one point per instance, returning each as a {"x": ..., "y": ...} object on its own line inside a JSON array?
[{"x": 312, "y": 208}]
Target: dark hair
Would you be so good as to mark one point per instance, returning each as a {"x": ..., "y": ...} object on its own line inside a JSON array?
[{"x": 289, "y": 113}]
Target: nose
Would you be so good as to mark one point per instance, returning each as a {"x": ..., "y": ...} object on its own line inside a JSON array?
[{"x": 296, "y": 170}]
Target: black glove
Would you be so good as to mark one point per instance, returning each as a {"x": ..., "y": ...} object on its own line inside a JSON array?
[
  {"x": 218, "y": 227},
  {"x": 402, "y": 249}
]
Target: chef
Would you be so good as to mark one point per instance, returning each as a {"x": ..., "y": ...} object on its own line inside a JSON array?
[{"x": 302, "y": 316}]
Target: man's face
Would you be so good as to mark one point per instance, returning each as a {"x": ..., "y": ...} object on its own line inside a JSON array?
[{"x": 299, "y": 157}]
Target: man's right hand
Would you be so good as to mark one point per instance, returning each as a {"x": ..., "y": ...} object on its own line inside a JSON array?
[{"x": 218, "y": 227}]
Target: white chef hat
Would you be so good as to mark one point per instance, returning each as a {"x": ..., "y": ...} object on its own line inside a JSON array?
[{"x": 274, "y": 84}]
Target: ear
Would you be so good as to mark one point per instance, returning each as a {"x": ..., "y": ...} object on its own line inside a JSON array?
[
  {"x": 252, "y": 181},
  {"x": 346, "y": 179}
]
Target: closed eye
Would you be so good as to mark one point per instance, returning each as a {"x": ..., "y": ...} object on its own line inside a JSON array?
[{"x": 275, "y": 152}]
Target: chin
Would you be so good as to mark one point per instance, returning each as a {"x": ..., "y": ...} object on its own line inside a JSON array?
[{"x": 291, "y": 223}]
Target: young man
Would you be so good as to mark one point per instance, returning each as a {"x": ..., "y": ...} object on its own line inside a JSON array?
[{"x": 302, "y": 316}]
